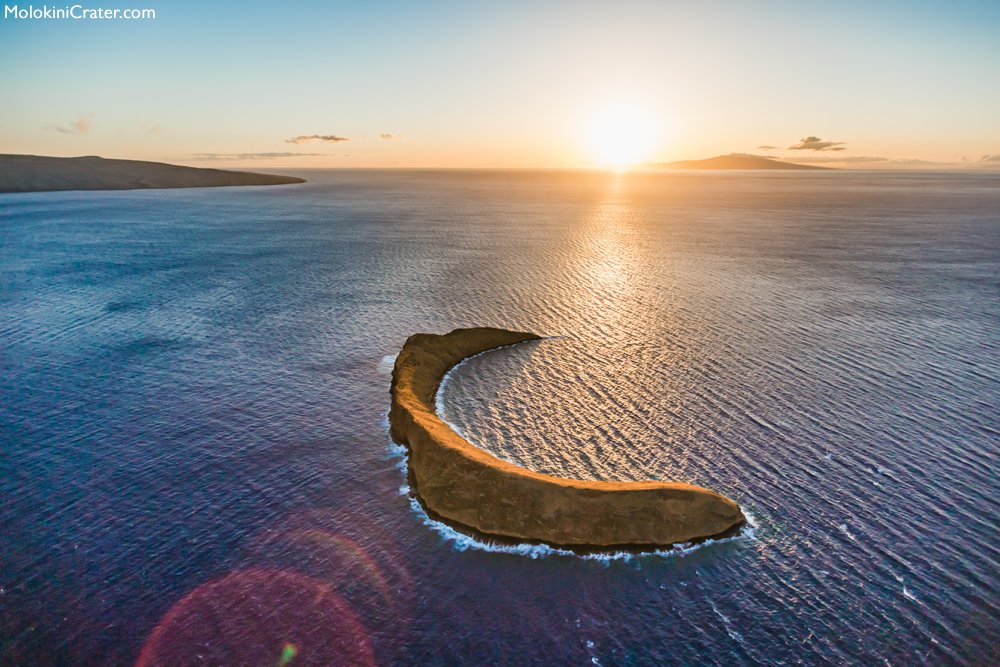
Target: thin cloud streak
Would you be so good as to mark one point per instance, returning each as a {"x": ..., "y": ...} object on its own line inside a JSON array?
[
  {"x": 870, "y": 162},
  {"x": 306, "y": 138},
  {"x": 251, "y": 156},
  {"x": 79, "y": 126},
  {"x": 840, "y": 159}
]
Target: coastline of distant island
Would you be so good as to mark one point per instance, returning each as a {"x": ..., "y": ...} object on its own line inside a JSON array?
[
  {"x": 735, "y": 161},
  {"x": 36, "y": 173}
]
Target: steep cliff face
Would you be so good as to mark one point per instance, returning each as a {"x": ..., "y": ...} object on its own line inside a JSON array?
[{"x": 465, "y": 485}]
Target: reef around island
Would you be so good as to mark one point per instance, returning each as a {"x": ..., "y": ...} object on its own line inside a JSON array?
[{"x": 465, "y": 486}]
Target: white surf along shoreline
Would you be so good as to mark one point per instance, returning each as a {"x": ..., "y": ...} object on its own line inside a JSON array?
[{"x": 460, "y": 541}]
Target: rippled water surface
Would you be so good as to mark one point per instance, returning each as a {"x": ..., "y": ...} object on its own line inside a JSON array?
[{"x": 195, "y": 465}]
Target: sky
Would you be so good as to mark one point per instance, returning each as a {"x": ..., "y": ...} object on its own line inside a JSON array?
[{"x": 318, "y": 83}]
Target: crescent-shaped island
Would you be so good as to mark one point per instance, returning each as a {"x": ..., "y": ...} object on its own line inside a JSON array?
[{"x": 469, "y": 488}]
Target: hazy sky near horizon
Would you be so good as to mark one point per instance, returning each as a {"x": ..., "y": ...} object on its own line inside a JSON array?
[{"x": 504, "y": 84}]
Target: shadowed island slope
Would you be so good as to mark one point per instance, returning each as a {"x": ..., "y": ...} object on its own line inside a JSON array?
[
  {"x": 461, "y": 483},
  {"x": 38, "y": 173}
]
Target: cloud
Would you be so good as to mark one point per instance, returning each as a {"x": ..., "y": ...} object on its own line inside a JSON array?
[
  {"x": 766, "y": 148},
  {"x": 82, "y": 124},
  {"x": 150, "y": 129},
  {"x": 866, "y": 162},
  {"x": 817, "y": 144},
  {"x": 79, "y": 126},
  {"x": 306, "y": 138},
  {"x": 990, "y": 159},
  {"x": 840, "y": 159},
  {"x": 385, "y": 136},
  {"x": 251, "y": 156},
  {"x": 918, "y": 162}
]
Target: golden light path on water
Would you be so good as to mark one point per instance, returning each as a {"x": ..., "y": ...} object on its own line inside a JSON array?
[{"x": 201, "y": 393}]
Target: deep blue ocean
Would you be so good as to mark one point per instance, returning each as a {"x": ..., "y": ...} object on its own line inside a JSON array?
[{"x": 195, "y": 465}]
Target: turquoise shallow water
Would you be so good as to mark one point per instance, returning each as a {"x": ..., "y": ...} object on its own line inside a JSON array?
[{"x": 194, "y": 447}]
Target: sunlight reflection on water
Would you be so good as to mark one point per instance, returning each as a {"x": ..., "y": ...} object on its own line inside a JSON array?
[{"x": 194, "y": 388}]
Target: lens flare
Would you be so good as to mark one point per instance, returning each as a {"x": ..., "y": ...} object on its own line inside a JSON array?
[
  {"x": 359, "y": 560},
  {"x": 257, "y": 616},
  {"x": 288, "y": 653}
]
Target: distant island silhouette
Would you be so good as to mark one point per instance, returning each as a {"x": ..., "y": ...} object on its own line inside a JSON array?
[
  {"x": 471, "y": 489},
  {"x": 736, "y": 161},
  {"x": 36, "y": 173}
]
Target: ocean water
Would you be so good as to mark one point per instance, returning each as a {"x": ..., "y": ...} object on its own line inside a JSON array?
[{"x": 194, "y": 459}]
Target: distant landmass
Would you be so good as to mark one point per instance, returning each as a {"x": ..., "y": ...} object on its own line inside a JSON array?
[
  {"x": 36, "y": 173},
  {"x": 737, "y": 161}
]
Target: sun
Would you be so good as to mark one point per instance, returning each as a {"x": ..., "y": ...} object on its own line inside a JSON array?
[{"x": 621, "y": 136}]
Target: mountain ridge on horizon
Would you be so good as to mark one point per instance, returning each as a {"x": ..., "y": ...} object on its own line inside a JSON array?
[
  {"x": 39, "y": 173},
  {"x": 736, "y": 161}
]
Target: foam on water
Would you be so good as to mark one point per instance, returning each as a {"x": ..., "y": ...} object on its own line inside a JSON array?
[
  {"x": 463, "y": 542},
  {"x": 843, "y": 528},
  {"x": 439, "y": 406},
  {"x": 727, "y": 623},
  {"x": 386, "y": 363}
]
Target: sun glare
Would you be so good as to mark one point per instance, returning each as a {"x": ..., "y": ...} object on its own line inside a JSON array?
[{"x": 621, "y": 137}]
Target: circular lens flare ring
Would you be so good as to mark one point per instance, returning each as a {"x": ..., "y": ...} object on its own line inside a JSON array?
[{"x": 259, "y": 616}]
